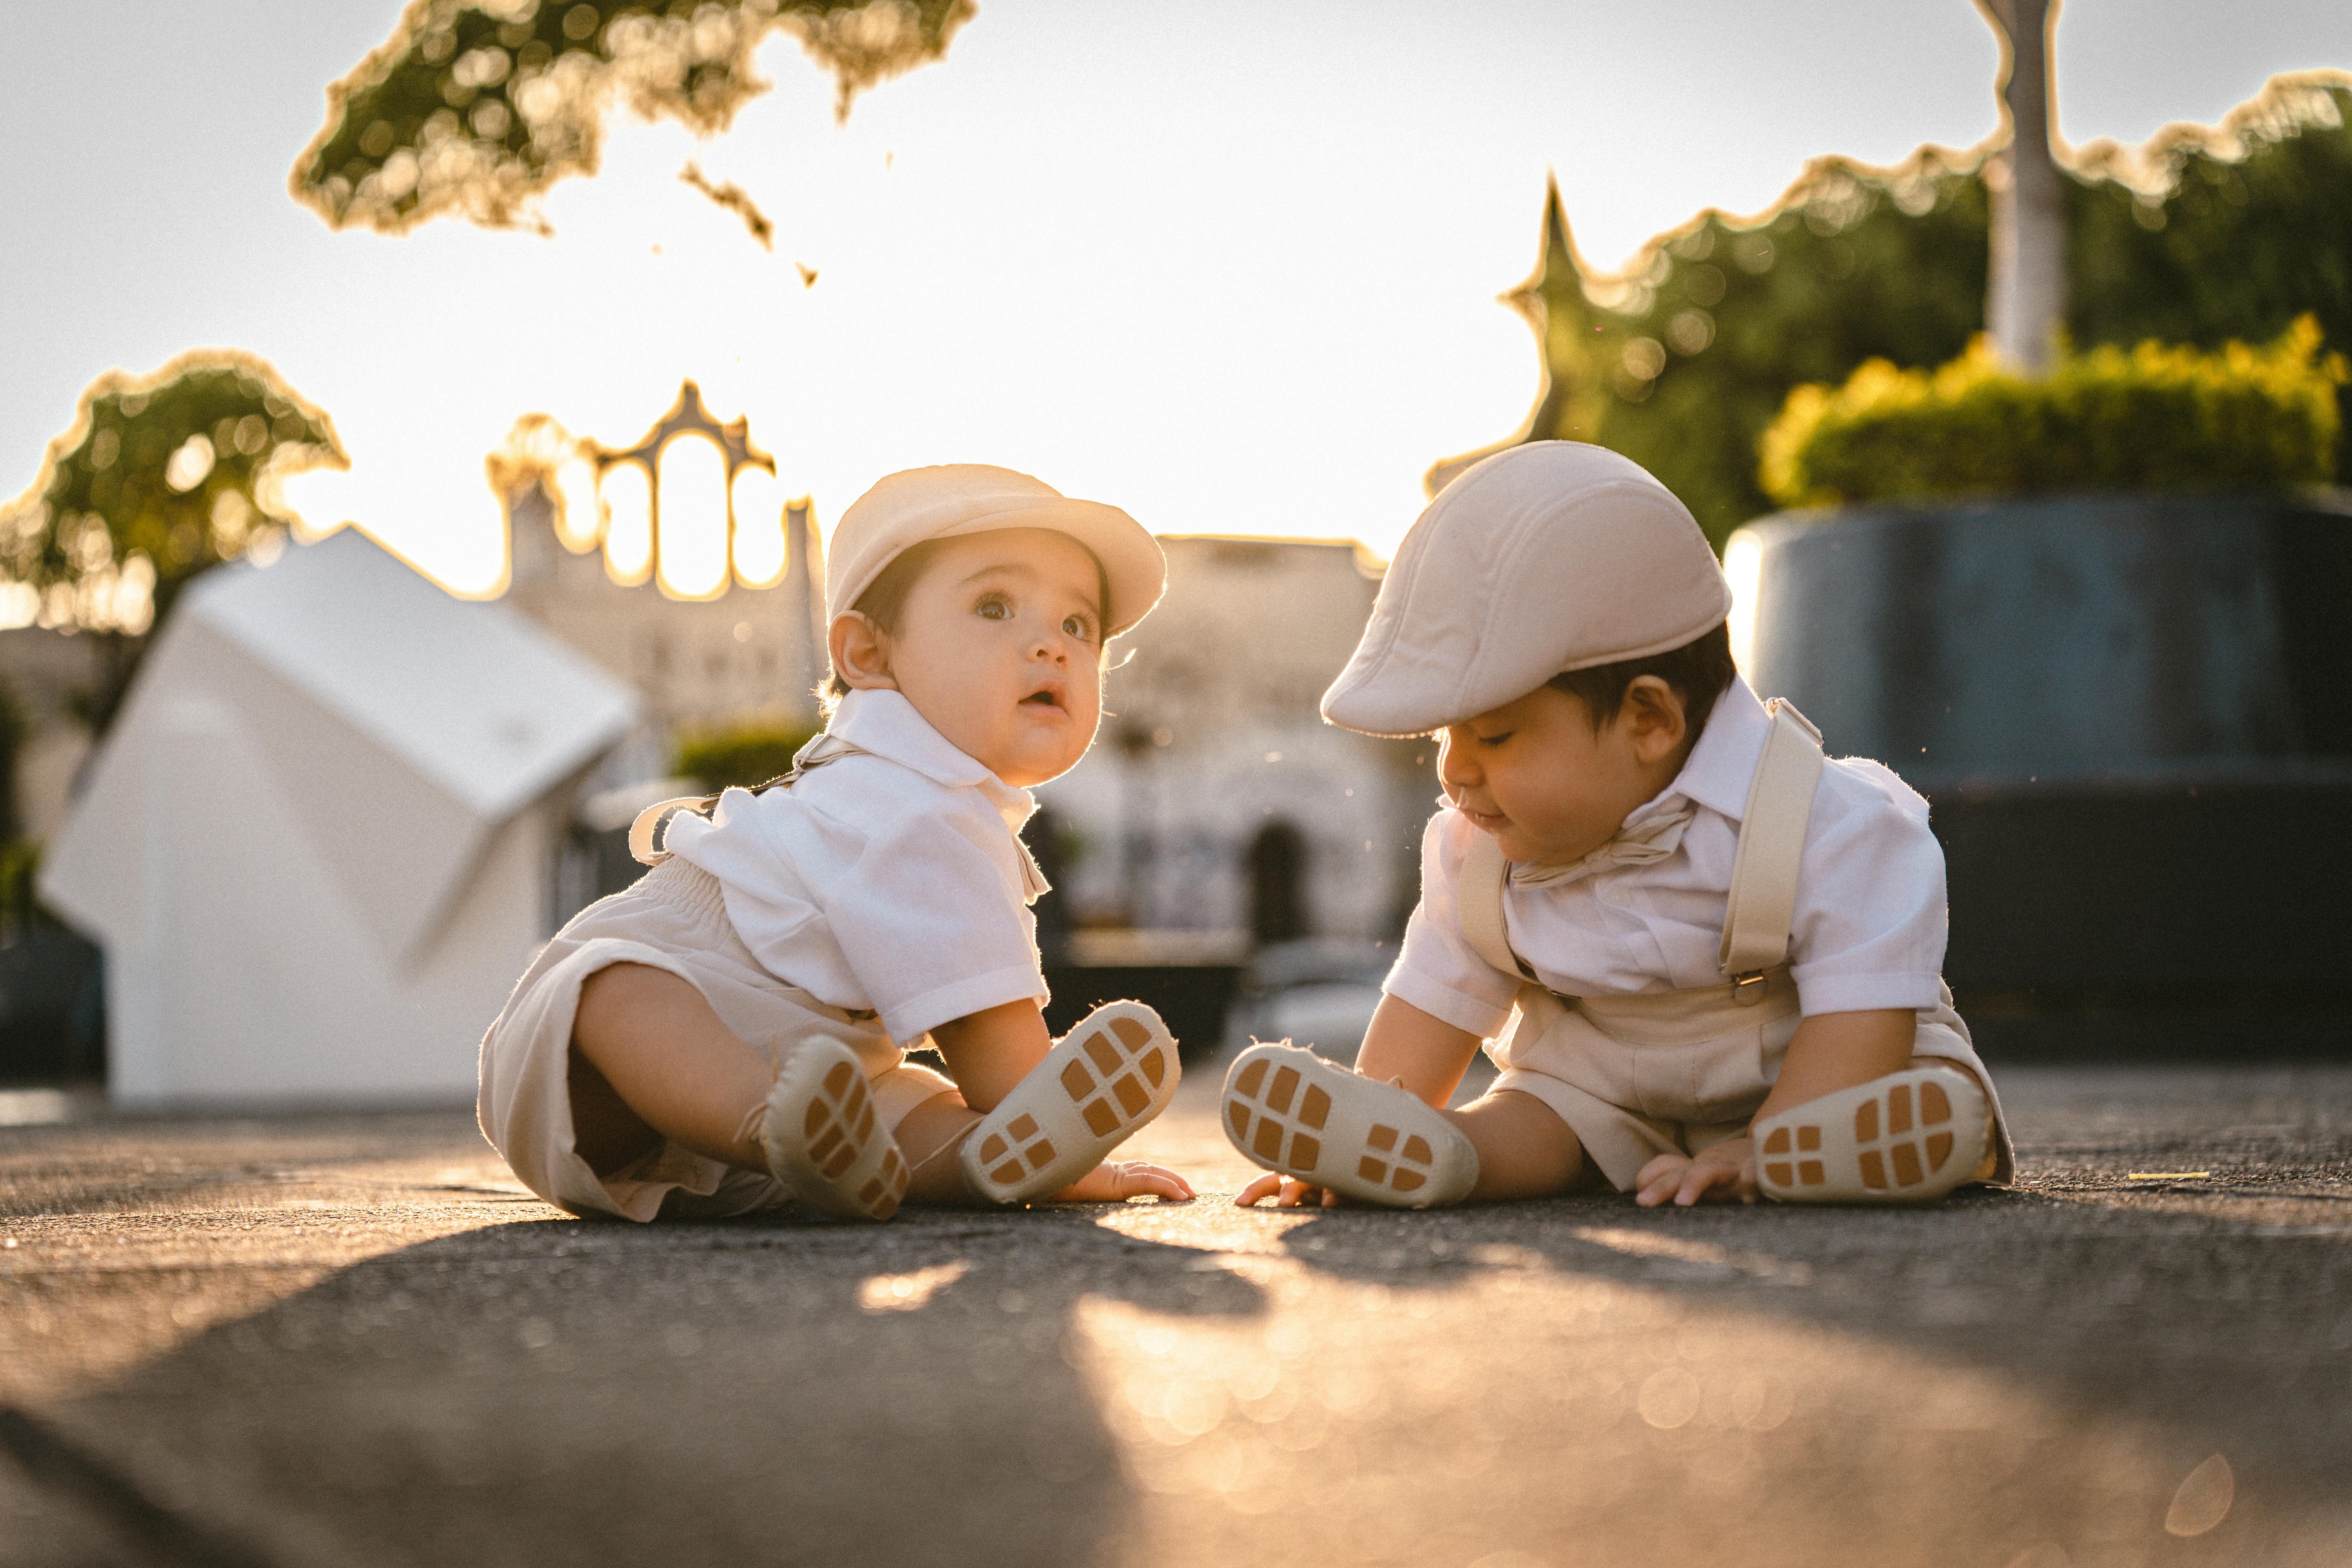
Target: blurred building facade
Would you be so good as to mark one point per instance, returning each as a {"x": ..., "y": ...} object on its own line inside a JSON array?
[
  {"x": 1216, "y": 800},
  {"x": 747, "y": 653}
]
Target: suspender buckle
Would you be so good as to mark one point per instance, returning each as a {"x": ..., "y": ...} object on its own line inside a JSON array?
[{"x": 1747, "y": 989}]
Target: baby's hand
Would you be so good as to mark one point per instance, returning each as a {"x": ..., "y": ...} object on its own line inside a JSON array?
[
  {"x": 1287, "y": 1193},
  {"x": 1718, "y": 1173},
  {"x": 1115, "y": 1180}
]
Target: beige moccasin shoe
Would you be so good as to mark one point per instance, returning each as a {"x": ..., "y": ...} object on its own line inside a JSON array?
[
  {"x": 1908, "y": 1138},
  {"x": 823, "y": 1141},
  {"x": 1101, "y": 1081},
  {"x": 1295, "y": 1113}
]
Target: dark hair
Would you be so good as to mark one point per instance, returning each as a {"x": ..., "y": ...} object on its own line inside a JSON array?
[
  {"x": 1699, "y": 671},
  {"x": 885, "y": 598}
]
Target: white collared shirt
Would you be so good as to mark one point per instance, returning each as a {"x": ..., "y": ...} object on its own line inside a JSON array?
[
  {"x": 888, "y": 880},
  {"x": 1868, "y": 930}
]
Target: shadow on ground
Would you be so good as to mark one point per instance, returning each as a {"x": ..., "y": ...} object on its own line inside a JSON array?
[{"x": 557, "y": 1391}]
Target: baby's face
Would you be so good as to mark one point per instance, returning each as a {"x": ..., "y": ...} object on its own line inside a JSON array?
[
  {"x": 1000, "y": 646},
  {"x": 1537, "y": 775}
]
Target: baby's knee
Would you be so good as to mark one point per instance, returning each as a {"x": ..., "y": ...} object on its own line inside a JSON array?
[{"x": 1525, "y": 1148}]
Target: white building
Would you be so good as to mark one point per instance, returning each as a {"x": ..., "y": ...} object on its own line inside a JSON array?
[
  {"x": 1215, "y": 782},
  {"x": 315, "y": 843}
]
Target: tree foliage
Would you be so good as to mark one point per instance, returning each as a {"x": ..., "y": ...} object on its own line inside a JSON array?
[
  {"x": 2201, "y": 237},
  {"x": 159, "y": 476},
  {"x": 2154, "y": 418},
  {"x": 475, "y": 109}
]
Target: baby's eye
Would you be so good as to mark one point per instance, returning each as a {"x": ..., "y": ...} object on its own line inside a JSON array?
[
  {"x": 994, "y": 607},
  {"x": 1077, "y": 626},
  {"x": 1496, "y": 739}
]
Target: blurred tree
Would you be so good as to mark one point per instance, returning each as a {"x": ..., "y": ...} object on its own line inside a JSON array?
[
  {"x": 1572, "y": 397},
  {"x": 159, "y": 476},
  {"x": 2201, "y": 237},
  {"x": 1702, "y": 339},
  {"x": 475, "y": 109}
]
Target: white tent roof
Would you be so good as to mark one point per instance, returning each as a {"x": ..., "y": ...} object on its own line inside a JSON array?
[
  {"x": 397, "y": 728},
  {"x": 473, "y": 696}
]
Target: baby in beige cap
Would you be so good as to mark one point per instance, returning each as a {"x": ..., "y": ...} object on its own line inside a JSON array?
[
  {"x": 730, "y": 1033},
  {"x": 1707, "y": 960}
]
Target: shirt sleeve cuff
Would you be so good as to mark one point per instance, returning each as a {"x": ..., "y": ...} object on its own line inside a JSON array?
[
  {"x": 911, "y": 1020},
  {"x": 1445, "y": 1004},
  {"x": 1862, "y": 992}
]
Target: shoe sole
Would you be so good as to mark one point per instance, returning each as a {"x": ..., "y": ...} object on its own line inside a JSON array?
[
  {"x": 1911, "y": 1137},
  {"x": 1279, "y": 1111},
  {"x": 837, "y": 1129},
  {"x": 1115, "y": 1072}
]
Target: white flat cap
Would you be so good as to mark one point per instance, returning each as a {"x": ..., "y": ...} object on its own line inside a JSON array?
[
  {"x": 955, "y": 499},
  {"x": 1548, "y": 557}
]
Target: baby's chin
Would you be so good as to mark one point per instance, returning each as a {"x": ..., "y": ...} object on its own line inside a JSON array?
[{"x": 1025, "y": 764}]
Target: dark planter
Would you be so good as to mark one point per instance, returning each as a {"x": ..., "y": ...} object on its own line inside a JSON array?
[{"x": 2133, "y": 718}]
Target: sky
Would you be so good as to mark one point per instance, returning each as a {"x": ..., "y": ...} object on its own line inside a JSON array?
[{"x": 1231, "y": 265}]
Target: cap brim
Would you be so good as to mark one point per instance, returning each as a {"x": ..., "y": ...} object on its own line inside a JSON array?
[{"x": 1131, "y": 557}]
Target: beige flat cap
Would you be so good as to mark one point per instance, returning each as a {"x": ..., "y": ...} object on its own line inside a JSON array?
[
  {"x": 1548, "y": 557},
  {"x": 955, "y": 499}
]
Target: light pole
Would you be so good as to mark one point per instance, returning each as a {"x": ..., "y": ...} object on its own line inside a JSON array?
[{"x": 2025, "y": 294}]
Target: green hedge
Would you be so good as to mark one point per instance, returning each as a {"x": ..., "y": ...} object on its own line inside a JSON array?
[
  {"x": 2154, "y": 417},
  {"x": 744, "y": 755}
]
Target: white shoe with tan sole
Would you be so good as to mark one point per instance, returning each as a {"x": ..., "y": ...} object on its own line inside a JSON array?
[
  {"x": 1300, "y": 1116},
  {"x": 1100, "y": 1082},
  {"x": 1908, "y": 1138},
  {"x": 822, "y": 1140}
]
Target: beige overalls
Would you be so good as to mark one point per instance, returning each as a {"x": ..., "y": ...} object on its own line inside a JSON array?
[{"x": 1672, "y": 1071}]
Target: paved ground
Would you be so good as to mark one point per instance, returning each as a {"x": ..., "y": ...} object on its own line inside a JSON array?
[{"x": 348, "y": 1341}]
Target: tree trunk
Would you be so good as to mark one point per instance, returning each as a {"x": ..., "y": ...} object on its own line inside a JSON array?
[{"x": 2025, "y": 295}]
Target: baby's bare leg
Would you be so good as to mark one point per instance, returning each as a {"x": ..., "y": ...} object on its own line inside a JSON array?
[
  {"x": 651, "y": 1060},
  {"x": 931, "y": 1136},
  {"x": 1525, "y": 1149}
]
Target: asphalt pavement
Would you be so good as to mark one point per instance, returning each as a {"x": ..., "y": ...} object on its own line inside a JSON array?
[{"x": 349, "y": 1338}]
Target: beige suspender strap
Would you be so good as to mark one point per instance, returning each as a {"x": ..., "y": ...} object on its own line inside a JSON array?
[
  {"x": 1478, "y": 900},
  {"x": 646, "y": 828},
  {"x": 1763, "y": 899}
]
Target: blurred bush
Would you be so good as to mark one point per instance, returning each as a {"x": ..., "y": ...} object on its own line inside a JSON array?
[
  {"x": 2201, "y": 237},
  {"x": 476, "y": 109},
  {"x": 739, "y": 754},
  {"x": 2154, "y": 417}
]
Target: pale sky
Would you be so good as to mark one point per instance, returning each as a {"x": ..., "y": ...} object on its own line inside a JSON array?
[{"x": 1230, "y": 264}]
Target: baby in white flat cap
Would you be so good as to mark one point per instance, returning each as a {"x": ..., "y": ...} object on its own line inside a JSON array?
[
  {"x": 1707, "y": 960},
  {"x": 727, "y": 1034}
]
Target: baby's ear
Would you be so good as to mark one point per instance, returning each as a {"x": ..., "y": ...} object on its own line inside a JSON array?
[
  {"x": 1652, "y": 712},
  {"x": 861, "y": 652}
]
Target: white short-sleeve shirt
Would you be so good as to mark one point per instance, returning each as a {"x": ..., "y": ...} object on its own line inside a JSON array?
[
  {"x": 1868, "y": 930},
  {"x": 887, "y": 878}
]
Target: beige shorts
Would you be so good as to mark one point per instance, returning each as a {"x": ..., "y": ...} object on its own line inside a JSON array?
[
  {"x": 1672, "y": 1072},
  {"x": 673, "y": 917}
]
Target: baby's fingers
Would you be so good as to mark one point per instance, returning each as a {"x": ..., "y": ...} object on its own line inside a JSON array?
[
  {"x": 1660, "y": 1180},
  {"x": 1702, "y": 1178},
  {"x": 1266, "y": 1186},
  {"x": 1137, "y": 1179}
]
